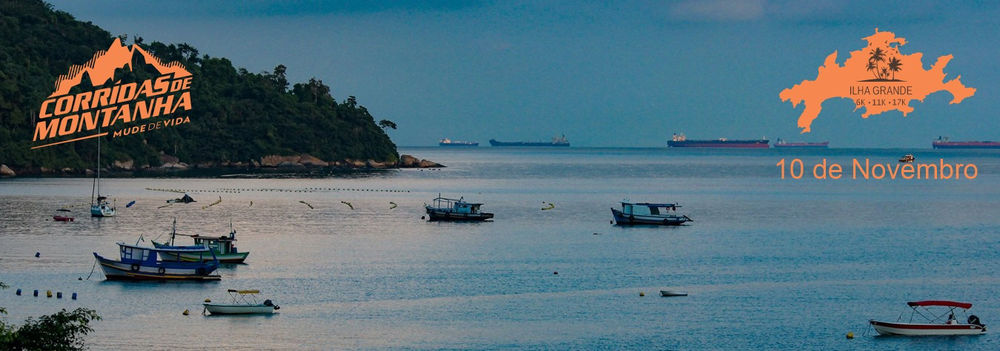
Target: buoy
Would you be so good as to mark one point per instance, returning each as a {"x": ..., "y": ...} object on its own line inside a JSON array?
[
  {"x": 186, "y": 312},
  {"x": 79, "y": 278},
  {"x": 18, "y": 292},
  {"x": 38, "y": 254},
  {"x": 208, "y": 300},
  {"x": 642, "y": 293},
  {"x": 59, "y": 294},
  {"x": 74, "y": 296},
  {"x": 36, "y": 293},
  {"x": 555, "y": 273},
  {"x": 48, "y": 293},
  {"x": 850, "y": 335}
]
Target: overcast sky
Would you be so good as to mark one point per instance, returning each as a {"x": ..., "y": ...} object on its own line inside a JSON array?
[{"x": 627, "y": 74}]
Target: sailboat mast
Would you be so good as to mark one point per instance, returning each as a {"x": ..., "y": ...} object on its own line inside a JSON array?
[{"x": 98, "y": 181}]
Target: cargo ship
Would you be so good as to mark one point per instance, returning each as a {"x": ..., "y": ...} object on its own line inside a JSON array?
[
  {"x": 944, "y": 143},
  {"x": 452, "y": 143},
  {"x": 556, "y": 141},
  {"x": 679, "y": 140},
  {"x": 801, "y": 145}
]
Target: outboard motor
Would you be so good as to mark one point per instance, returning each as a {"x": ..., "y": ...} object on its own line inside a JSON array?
[
  {"x": 973, "y": 319},
  {"x": 268, "y": 303}
]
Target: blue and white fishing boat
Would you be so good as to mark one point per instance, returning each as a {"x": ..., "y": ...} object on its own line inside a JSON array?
[
  {"x": 649, "y": 213},
  {"x": 147, "y": 263}
]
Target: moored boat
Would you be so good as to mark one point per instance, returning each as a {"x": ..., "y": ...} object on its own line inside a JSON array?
[
  {"x": 149, "y": 263},
  {"x": 648, "y": 213},
  {"x": 244, "y": 302},
  {"x": 679, "y": 140},
  {"x": 672, "y": 293},
  {"x": 801, "y": 145},
  {"x": 556, "y": 141},
  {"x": 445, "y": 209},
  {"x": 100, "y": 207},
  {"x": 945, "y": 143},
  {"x": 62, "y": 215},
  {"x": 907, "y": 158},
  {"x": 932, "y": 322},
  {"x": 223, "y": 247},
  {"x": 459, "y": 143}
]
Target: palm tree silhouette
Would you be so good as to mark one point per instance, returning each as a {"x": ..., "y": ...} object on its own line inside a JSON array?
[
  {"x": 872, "y": 67},
  {"x": 895, "y": 66},
  {"x": 877, "y": 55}
]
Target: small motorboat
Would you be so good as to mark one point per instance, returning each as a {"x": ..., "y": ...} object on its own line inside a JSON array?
[
  {"x": 907, "y": 158},
  {"x": 670, "y": 293},
  {"x": 244, "y": 302},
  {"x": 445, "y": 209},
  {"x": 148, "y": 263},
  {"x": 648, "y": 213},
  {"x": 932, "y": 322},
  {"x": 62, "y": 215}
]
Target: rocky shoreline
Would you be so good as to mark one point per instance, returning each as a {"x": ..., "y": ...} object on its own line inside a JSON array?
[{"x": 171, "y": 165}]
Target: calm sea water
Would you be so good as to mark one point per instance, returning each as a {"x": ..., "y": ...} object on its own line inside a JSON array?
[{"x": 768, "y": 263}]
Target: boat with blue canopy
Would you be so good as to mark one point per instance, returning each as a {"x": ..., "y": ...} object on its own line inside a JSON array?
[
  {"x": 649, "y": 213},
  {"x": 148, "y": 263}
]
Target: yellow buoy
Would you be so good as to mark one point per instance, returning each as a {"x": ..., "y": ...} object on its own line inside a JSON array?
[
  {"x": 208, "y": 300},
  {"x": 186, "y": 312},
  {"x": 48, "y": 293},
  {"x": 850, "y": 335},
  {"x": 642, "y": 293}
]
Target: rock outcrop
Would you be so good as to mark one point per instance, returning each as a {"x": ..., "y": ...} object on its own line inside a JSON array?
[{"x": 6, "y": 171}]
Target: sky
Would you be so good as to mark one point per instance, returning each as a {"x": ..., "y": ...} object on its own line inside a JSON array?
[{"x": 623, "y": 73}]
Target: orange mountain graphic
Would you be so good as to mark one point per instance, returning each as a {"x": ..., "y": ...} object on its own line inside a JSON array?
[
  {"x": 102, "y": 66},
  {"x": 878, "y": 78}
]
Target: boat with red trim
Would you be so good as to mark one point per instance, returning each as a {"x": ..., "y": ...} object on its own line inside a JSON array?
[
  {"x": 148, "y": 263},
  {"x": 940, "y": 321}
]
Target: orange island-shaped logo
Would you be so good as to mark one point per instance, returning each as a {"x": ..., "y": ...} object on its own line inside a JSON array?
[
  {"x": 878, "y": 78},
  {"x": 125, "y": 108}
]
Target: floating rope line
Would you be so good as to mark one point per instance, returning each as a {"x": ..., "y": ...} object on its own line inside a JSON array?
[
  {"x": 348, "y": 204},
  {"x": 549, "y": 206},
  {"x": 307, "y": 204},
  {"x": 300, "y": 190},
  {"x": 213, "y": 204},
  {"x": 392, "y": 205}
]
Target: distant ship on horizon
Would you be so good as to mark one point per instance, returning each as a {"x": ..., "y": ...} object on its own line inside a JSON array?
[
  {"x": 945, "y": 143},
  {"x": 460, "y": 143},
  {"x": 679, "y": 140},
  {"x": 556, "y": 141},
  {"x": 808, "y": 145}
]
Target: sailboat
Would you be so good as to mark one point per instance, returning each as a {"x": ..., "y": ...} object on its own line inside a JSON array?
[{"x": 99, "y": 206}]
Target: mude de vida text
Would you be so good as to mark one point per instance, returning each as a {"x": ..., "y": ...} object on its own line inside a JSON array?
[{"x": 121, "y": 107}]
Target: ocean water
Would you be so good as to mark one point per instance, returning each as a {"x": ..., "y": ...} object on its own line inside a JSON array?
[{"x": 769, "y": 263}]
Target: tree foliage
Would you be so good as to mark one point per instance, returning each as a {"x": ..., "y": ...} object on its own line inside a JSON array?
[
  {"x": 236, "y": 115},
  {"x": 63, "y": 330}
]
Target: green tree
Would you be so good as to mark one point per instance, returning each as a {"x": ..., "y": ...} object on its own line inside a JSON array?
[
  {"x": 63, "y": 330},
  {"x": 387, "y": 124}
]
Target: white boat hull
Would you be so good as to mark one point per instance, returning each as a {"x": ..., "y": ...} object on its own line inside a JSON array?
[
  {"x": 238, "y": 309},
  {"x": 924, "y": 329},
  {"x": 102, "y": 210}
]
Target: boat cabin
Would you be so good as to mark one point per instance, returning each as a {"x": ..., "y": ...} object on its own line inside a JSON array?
[
  {"x": 648, "y": 209},
  {"x": 456, "y": 206},
  {"x": 147, "y": 256},
  {"x": 220, "y": 244}
]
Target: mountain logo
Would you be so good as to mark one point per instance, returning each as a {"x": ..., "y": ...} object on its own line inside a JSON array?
[
  {"x": 874, "y": 79},
  {"x": 111, "y": 104}
]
